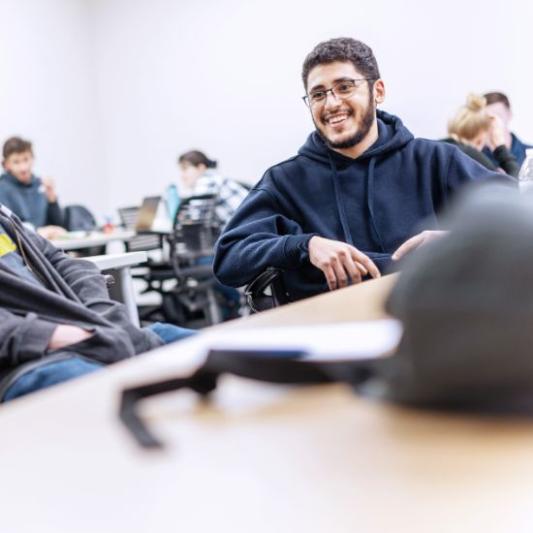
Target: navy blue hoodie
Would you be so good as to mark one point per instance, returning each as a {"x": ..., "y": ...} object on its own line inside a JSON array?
[{"x": 374, "y": 202}]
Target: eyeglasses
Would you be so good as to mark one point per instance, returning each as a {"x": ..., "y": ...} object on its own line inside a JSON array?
[{"x": 341, "y": 90}]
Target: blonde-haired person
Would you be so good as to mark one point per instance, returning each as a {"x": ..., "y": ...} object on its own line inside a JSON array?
[{"x": 473, "y": 127}]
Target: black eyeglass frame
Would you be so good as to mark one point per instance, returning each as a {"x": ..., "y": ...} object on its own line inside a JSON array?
[{"x": 309, "y": 104}]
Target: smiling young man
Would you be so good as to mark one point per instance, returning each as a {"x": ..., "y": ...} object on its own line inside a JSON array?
[{"x": 354, "y": 197}]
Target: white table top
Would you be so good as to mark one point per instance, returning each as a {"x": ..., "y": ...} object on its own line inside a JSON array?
[
  {"x": 76, "y": 240},
  {"x": 112, "y": 261}
]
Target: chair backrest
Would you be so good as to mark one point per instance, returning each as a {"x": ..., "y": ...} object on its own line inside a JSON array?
[
  {"x": 79, "y": 218},
  {"x": 196, "y": 225},
  {"x": 142, "y": 242},
  {"x": 200, "y": 208},
  {"x": 128, "y": 216},
  {"x": 266, "y": 291}
]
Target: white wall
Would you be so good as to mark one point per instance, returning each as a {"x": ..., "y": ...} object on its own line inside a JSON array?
[
  {"x": 224, "y": 76},
  {"x": 47, "y": 92},
  {"x": 136, "y": 82}
]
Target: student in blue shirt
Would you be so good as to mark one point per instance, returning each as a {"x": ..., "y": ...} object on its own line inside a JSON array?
[{"x": 32, "y": 199}]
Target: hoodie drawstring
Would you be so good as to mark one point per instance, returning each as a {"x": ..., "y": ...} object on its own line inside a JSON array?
[
  {"x": 370, "y": 201},
  {"x": 340, "y": 204}
]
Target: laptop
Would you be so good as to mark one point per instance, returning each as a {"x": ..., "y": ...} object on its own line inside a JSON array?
[{"x": 147, "y": 213}]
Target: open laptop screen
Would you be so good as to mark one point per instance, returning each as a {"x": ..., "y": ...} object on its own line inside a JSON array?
[{"x": 147, "y": 213}]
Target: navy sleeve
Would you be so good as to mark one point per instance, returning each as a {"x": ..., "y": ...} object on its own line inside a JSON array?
[
  {"x": 259, "y": 236},
  {"x": 506, "y": 160}
]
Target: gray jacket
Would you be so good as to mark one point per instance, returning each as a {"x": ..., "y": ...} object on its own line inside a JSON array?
[{"x": 73, "y": 292}]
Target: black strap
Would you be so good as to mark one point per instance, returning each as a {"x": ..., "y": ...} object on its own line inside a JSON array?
[{"x": 258, "y": 365}]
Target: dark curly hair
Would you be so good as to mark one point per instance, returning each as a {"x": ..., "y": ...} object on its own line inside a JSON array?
[{"x": 342, "y": 49}]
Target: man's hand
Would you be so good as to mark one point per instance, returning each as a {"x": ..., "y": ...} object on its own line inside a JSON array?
[
  {"x": 496, "y": 136},
  {"x": 340, "y": 262},
  {"x": 414, "y": 242},
  {"x": 51, "y": 232},
  {"x": 49, "y": 189},
  {"x": 65, "y": 335}
]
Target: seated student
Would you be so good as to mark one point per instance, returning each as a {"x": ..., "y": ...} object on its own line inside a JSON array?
[
  {"x": 32, "y": 199},
  {"x": 356, "y": 194},
  {"x": 198, "y": 177},
  {"x": 499, "y": 105},
  {"x": 473, "y": 127},
  {"x": 56, "y": 319}
]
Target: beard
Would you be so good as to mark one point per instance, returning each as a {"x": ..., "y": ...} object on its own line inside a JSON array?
[{"x": 366, "y": 123}]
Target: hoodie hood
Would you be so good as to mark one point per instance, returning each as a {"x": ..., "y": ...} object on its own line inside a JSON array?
[
  {"x": 392, "y": 136},
  {"x": 33, "y": 183}
]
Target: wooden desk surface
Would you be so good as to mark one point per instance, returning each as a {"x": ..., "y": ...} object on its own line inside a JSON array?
[{"x": 260, "y": 458}]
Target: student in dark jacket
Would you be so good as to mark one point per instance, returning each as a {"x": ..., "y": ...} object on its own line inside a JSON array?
[
  {"x": 56, "y": 319},
  {"x": 473, "y": 127},
  {"x": 32, "y": 199},
  {"x": 356, "y": 193}
]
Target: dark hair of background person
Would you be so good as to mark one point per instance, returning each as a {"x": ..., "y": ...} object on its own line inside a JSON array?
[
  {"x": 495, "y": 98},
  {"x": 343, "y": 49},
  {"x": 196, "y": 158},
  {"x": 16, "y": 145}
]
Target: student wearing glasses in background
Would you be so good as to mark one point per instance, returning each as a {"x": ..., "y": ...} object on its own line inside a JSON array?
[{"x": 356, "y": 194}]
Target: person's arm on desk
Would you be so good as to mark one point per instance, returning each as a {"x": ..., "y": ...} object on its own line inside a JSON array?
[
  {"x": 261, "y": 235},
  {"x": 51, "y": 232},
  {"x": 415, "y": 242},
  {"x": 341, "y": 263}
]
